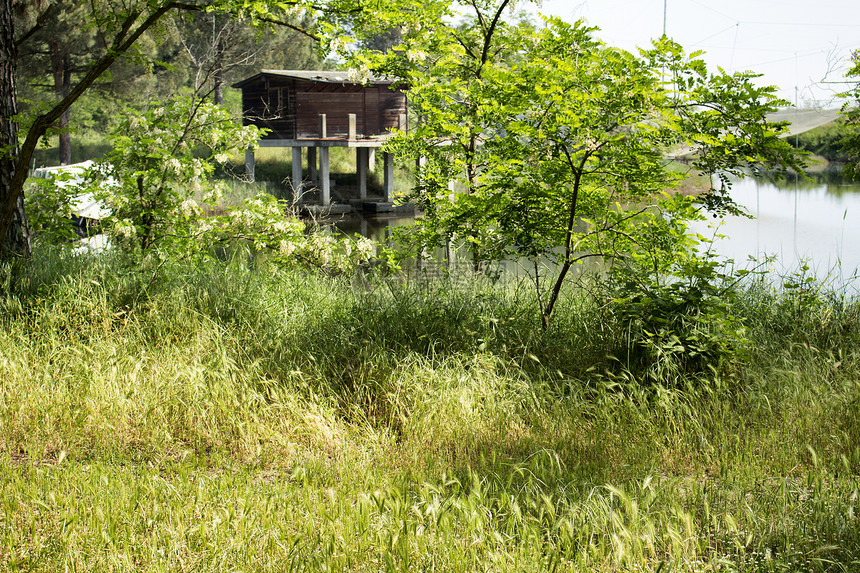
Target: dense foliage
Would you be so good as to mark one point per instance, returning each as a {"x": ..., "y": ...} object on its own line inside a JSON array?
[
  {"x": 546, "y": 144},
  {"x": 826, "y": 141},
  {"x": 851, "y": 139},
  {"x": 160, "y": 167}
]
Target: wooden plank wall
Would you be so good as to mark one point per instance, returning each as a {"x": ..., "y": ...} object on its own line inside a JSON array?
[
  {"x": 290, "y": 108},
  {"x": 270, "y": 105},
  {"x": 391, "y": 105},
  {"x": 371, "y": 110},
  {"x": 336, "y": 105}
]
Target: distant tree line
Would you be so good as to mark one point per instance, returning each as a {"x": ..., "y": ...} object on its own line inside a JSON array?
[
  {"x": 828, "y": 141},
  {"x": 187, "y": 52}
]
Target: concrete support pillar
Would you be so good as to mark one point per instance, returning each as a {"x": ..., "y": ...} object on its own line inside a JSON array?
[
  {"x": 249, "y": 164},
  {"x": 351, "y": 132},
  {"x": 325, "y": 182},
  {"x": 312, "y": 166},
  {"x": 402, "y": 125},
  {"x": 388, "y": 162},
  {"x": 419, "y": 169},
  {"x": 361, "y": 170},
  {"x": 297, "y": 172},
  {"x": 371, "y": 159}
]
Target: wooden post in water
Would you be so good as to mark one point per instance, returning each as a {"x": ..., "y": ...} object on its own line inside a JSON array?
[
  {"x": 388, "y": 176},
  {"x": 325, "y": 182},
  {"x": 313, "y": 172}
]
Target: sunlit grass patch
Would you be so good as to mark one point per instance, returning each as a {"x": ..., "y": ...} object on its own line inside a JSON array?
[
  {"x": 222, "y": 417},
  {"x": 102, "y": 516}
]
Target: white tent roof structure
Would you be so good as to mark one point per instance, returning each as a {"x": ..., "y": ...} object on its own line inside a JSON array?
[
  {"x": 803, "y": 119},
  {"x": 85, "y": 205}
]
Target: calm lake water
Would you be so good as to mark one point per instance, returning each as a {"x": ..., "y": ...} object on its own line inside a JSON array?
[{"x": 816, "y": 223}]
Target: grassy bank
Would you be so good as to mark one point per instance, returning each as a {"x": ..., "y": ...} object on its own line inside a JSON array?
[
  {"x": 219, "y": 419},
  {"x": 273, "y": 170}
]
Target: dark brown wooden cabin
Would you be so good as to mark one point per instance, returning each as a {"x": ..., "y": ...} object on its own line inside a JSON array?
[{"x": 289, "y": 103}]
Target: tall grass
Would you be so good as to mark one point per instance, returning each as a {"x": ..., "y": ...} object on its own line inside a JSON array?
[
  {"x": 85, "y": 146},
  {"x": 216, "y": 417}
]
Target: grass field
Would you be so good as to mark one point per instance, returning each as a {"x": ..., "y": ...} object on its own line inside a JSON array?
[
  {"x": 273, "y": 170},
  {"x": 215, "y": 418}
]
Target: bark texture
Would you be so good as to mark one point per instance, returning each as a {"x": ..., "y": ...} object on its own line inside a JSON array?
[{"x": 15, "y": 231}]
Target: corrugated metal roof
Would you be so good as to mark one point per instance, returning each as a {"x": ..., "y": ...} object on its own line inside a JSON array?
[{"x": 340, "y": 77}]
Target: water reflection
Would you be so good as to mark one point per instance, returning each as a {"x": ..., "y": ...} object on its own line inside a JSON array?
[
  {"x": 816, "y": 222},
  {"x": 377, "y": 227},
  {"x": 830, "y": 180}
]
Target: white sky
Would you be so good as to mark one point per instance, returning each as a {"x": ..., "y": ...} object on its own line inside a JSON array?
[{"x": 792, "y": 42}]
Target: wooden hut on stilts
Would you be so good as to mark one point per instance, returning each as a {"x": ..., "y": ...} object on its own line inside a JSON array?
[{"x": 316, "y": 111}]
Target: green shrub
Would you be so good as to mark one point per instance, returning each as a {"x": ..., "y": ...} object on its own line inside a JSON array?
[{"x": 679, "y": 323}]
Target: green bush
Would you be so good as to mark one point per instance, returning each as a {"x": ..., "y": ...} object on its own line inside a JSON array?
[{"x": 679, "y": 323}]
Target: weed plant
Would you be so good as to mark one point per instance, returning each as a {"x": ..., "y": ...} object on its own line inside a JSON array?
[{"x": 228, "y": 416}]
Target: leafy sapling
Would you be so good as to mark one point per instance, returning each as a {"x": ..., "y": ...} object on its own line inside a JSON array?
[{"x": 157, "y": 180}]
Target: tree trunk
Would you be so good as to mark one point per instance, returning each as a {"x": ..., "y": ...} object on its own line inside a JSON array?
[
  {"x": 218, "y": 92},
  {"x": 61, "y": 67},
  {"x": 15, "y": 235},
  {"x": 218, "y": 74}
]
